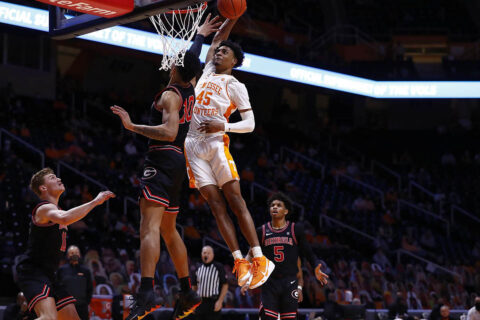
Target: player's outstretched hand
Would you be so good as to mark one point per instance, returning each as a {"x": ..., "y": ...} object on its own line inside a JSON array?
[
  {"x": 209, "y": 26},
  {"x": 322, "y": 277},
  {"x": 103, "y": 196},
  {"x": 124, "y": 116},
  {"x": 211, "y": 126}
]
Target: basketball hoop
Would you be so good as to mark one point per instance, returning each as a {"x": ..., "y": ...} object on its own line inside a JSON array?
[{"x": 176, "y": 29}]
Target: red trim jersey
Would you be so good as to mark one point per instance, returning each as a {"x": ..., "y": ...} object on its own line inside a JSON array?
[
  {"x": 284, "y": 246},
  {"x": 46, "y": 243}
]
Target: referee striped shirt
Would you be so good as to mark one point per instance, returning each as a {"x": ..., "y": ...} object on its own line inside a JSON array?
[{"x": 209, "y": 278}]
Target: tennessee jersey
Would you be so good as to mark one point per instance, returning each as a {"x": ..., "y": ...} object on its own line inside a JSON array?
[{"x": 217, "y": 97}]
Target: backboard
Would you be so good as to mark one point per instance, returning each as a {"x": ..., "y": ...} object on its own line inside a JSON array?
[{"x": 63, "y": 26}]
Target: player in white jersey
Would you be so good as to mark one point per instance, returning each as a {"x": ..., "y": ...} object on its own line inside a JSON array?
[{"x": 210, "y": 166}]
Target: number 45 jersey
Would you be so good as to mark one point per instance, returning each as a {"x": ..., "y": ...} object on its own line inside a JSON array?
[
  {"x": 217, "y": 97},
  {"x": 284, "y": 246}
]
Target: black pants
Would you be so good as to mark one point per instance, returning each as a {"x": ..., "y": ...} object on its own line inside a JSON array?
[
  {"x": 206, "y": 310},
  {"x": 82, "y": 310}
]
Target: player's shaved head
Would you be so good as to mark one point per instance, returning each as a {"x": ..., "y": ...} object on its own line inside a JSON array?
[{"x": 38, "y": 179}]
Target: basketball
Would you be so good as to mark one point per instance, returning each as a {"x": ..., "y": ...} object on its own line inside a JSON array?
[{"x": 231, "y": 9}]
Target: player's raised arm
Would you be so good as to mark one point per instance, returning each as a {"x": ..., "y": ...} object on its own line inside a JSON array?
[
  {"x": 203, "y": 31},
  {"x": 169, "y": 103},
  {"x": 222, "y": 34},
  {"x": 51, "y": 213}
]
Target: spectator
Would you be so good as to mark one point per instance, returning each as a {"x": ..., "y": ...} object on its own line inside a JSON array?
[
  {"x": 97, "y": 271},
  {"x": 78, "y": 281},
  {"x": 445, "y": 313},
  {"x": 133, "y": 276},
  {"x": 381, "y": 259},
  {"x": 18, "y": 310},
  {"x": 116, "y": 279}
]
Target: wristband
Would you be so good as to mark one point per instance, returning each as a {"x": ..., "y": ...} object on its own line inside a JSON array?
[{"x": 299, "y": 287}]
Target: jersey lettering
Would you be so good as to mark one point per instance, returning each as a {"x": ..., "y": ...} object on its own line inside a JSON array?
[{"x": 278, "y": 252}]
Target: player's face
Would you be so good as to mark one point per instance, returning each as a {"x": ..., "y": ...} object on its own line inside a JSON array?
[
  {"x": 224, "y": 58},
  {"x": 278, "y": 209},
  {"x": 53, "y": 184},
  {"x": 207, "y": 255}
]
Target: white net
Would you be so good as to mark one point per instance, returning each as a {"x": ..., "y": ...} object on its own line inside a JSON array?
[{"x": 176, "y": 29}]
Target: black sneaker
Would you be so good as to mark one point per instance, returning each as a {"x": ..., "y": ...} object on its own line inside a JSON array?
[
  {"x": 186, "y": 305},
  {"x": 143, "y": 304}
]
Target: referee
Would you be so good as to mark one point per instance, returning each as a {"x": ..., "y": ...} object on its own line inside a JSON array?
[{"x": 210, "y": 283}]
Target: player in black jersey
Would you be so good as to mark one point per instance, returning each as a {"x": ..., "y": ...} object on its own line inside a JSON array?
[
  {"x": 46, "y": 246},
  {"x": 163, "y": 175},
  {"x": 283, "y": 242}
]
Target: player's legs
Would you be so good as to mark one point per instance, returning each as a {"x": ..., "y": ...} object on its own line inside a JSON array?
[
  {"x": 150, "y": 222},
  {"x": 215, "y": 200},
  {"x": 188, "y": 299},
  {"x": 217, "y": 204},
  {"x": 270, "y": 307},
  {"x": 203, "y": 175},
  {"x": 227, "y": 176},
  {"x": 175, "y": 245},
  {"x": 46, "y": 309},
  {"x": 232, "y": 192},
  {"x": 68, "y": 313},
  {"x": 288, "y": 298}
]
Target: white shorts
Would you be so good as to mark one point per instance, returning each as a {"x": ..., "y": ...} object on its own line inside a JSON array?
[{"x": 209, "y": 161}]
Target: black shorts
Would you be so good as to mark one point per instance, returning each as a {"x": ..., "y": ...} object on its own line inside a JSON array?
[
  {"x": 163, "y": 176},
  {"x": 37, "y": 285},
  {"x": 279, "y": 297}
]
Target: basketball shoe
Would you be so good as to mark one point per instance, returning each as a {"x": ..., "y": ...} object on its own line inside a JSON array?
[
  {"x": 243, "y": 271},
  {"x": 143, "y": 304},
  {"x": 186, "y": 304},
  {"x": 262, "y": 268}
]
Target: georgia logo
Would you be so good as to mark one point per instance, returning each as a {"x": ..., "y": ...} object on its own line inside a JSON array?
[
  {"x": 149, "y": 172},
  {"x": 295, "y": 294}
]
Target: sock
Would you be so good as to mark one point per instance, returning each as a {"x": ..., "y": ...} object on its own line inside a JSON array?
[
  {"x": 257, "y": 252},
  {"x": 146, "y": 284},
  {"x": 185, "y": 284},
  {"x": 237, "y": 254},
  {"x": 248, "y": 257}
]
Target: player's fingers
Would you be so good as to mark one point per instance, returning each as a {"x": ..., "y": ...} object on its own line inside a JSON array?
[
  {"x": 207, "y": 20},
  {"x": 215, "y": 19}
]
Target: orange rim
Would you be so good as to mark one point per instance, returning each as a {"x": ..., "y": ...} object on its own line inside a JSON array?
[{"x": 185, "y": 11}]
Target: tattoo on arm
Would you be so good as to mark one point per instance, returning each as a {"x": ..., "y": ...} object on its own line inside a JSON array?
[{"x": 152, "y": 132}]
